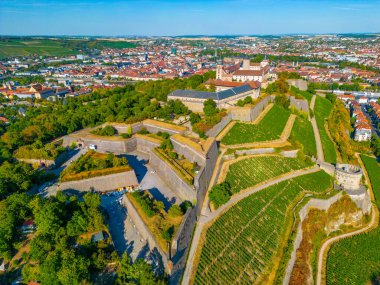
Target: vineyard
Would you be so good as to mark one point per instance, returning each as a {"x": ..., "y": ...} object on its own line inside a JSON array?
[
  {"x": 302, "y": 133},
  {"x": 322, "y": 110},
  {"x": 373, "y": 170},
  {"x": 356, "y": 260},
  {"x": 241, "y": 246},
  {"x": 269, "y": 128},
  {"x": 251, "y": 171}
]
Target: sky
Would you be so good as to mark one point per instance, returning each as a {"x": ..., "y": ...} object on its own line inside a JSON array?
[{"x": 197, "y": 17}]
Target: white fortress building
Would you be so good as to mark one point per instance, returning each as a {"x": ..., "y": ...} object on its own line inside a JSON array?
[{"x": 225, "y": 99}]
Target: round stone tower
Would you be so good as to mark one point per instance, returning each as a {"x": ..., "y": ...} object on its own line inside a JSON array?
[{"x": 348, "y": 176}]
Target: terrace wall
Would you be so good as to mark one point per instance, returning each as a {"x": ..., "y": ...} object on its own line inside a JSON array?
[
  {"x": 240, "y": 114},
  {"x": 300, "y": 104},
  {"x": 188, "y": 152},
  {"x": 102, "y": 183},
  {"x": 312, "y": 203}
]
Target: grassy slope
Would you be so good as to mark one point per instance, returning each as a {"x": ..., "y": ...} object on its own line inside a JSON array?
[
  {"x": 302, "y": 132},
  {"x": 270, "y": 128},
  {"x": 45, "y": 47},
  {"x": 249, "y": 172},
  {"x": 356, "y": 260},
  {"x": 242, "y": 245},
  {"x": 322, "y": 110}
]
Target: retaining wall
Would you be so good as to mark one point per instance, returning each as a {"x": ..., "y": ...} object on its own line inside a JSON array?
[
  {"x": 143, "y": 230},
  {"x": 215, "y": 130},
  {"x": 312, "y": 203},
  {"x": 102, "y": 183},
  {"x": 188, "y": 152},
  {"x": 240, "y": 114},
  {"x": 177, "y": 184},
  {"x": 300, "y": 104}
]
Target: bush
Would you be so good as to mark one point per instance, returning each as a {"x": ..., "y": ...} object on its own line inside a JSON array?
[
  {"x": 194, "y": 118},
  {"x": 107, "y": 131},
  {"x": 126, "y": 136},
  {"x": 185, "y": 205}
]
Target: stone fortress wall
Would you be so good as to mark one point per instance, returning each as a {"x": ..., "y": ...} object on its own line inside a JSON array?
[
  {"x": 144, "y": 231},
  {"x": 204, "y": 153},
  {"x": 244, "y": 114},
  {"x": 102, "y": 183}
]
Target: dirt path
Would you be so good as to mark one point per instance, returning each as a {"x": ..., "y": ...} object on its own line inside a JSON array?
[
  {"x": 281, "y": 142},
  {"x": 320, "y": 154},
  {"x": 204, "y": 220}
]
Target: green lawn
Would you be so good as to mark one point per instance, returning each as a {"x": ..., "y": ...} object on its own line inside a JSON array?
[
  {"x": 26, "y": 47},
  {"x": 322, "y": 110},
  {"x": 356, "y": 260},
  {"x": 241, "y": 246},
  {"x": 302, "y": 133},
  {"x": 251, "y": 171},
  {"x": 269, "y": 128}
]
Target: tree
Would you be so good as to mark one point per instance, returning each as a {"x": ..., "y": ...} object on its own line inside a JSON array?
[
  {"x": 175, "y": 211},
  {"x": 283, "y": 101},
  {"x": 194, "y": 118},
  {"x": 220, "y": 194},
  {"x": 209, "y": 107}
]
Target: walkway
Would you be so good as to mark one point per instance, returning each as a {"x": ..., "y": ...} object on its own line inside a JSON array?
[
  {"x": 320, "y": 154},
  {"x": 203, "y": 220}
]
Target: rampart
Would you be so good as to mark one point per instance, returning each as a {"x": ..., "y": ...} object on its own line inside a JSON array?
[
  {"x": 102, "y": 183},
  {"x": 176, "y": 183},
  {"x": 144, "y": 231}
]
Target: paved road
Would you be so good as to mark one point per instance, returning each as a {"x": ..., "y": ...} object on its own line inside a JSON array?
[
  {"x": 235, "y": 199},
  {"x": 373, "y": 126},
  {"x": 320, "y": 154}
]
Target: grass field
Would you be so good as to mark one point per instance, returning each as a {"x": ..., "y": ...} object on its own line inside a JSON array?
[
  {"x": 251, "y": 171},
  {"x": 356, "y": 260},
  {"x": 269, "y": 128},
  {"x": 241, "y": 246},
  {"x": 302, "y": 133},
  {"x": 26, "y": 47},
  {"x": 322, "y": 110}
]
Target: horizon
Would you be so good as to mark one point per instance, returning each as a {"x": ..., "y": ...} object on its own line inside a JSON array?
[{"x": 170, "y": 18}]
